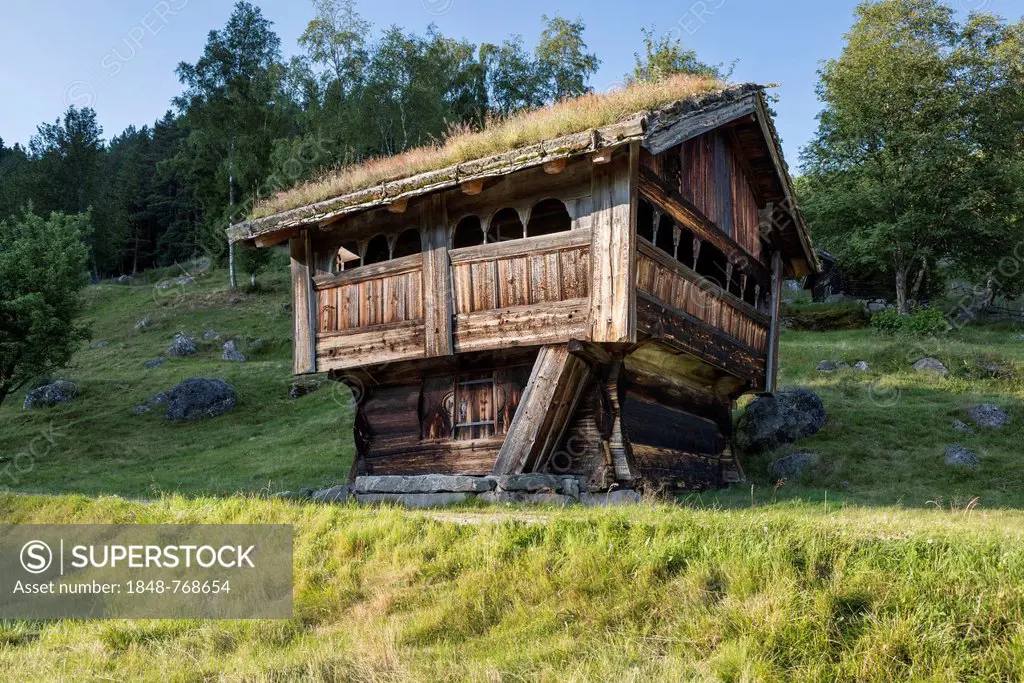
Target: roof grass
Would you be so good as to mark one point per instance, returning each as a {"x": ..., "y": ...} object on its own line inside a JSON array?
[{"x": 567, "y": 117}]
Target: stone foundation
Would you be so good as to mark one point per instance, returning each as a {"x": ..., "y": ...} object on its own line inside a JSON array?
[{"x": 437, "y": 490}]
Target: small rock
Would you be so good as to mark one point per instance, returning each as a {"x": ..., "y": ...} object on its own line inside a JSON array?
[
  {"x": 862, "y": 366},
  {"x": 304, "y": 387},
  {"x": 256, "y": 345},
  {"x": 610, "y": 499},
  {"x": 771, "y": 421},
  {"x": 183, "y": 345},
  {"x": 199, "y": 399},
  {"x": 962, "y": 427},
  {"x": 993, "y": 370},
  {"x": 236, "y": 299},
  {"x": 1020, "y": 337},
  {"x": 124, "y": 279},
  {"x": 50, "y": 395},
  {"x": 140, "y": 410},
  {"x": 931, "y": 365},
  {"x": 231, "y": 353},
  {"x": 988, "y": 415},
  {"x": 149, "y": 365},
  {"x": 211, "y": 335},
  {"x": 827, "y": 366},
  {"x": 876, "y": 307},
  {"x": 958, "y": 456},
  {"x": 287, "y": 306},
  {"x": 845, "y": 485},
  {"x": 791, "y": 466},
  {"x": 157, "y": 399},
  {"x": 335, "y": 494},
  {"x": 144, "y": 324},
  {"x": 184, "y": 280},
  {"x": 99, "y": 345}
]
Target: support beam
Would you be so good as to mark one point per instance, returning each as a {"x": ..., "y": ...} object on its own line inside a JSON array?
[
  {"x": 613, "y": 250},
  {"x": 437, "y": 281},
  {"x": 772, "y": 364},
  {"x": 547, "y": 405},
  {"x": 304, "y": 294}
]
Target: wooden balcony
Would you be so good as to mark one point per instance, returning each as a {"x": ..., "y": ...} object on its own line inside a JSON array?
[{"x": 677, "y": 304}]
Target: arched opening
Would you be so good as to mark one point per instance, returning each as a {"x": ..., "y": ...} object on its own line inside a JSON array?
[
  {"x": 505, "y": 226},
  {"x": 666, "y": 237},
  {"x": 407, "y": 244},
  {"x": 547, "y": 218},
  {"x": 644, "y": 220},
  {"x": 684, "y": 251},
  {"x": 468, "y": 233},
  {"x": 711, "y": 264},
  {"x": 377, "y": 251},
  {"x": 347, "y": 257}
]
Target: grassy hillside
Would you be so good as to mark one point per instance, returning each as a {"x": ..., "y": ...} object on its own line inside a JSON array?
[
  {"x": 883, "y": 444},
  {"x": 96, "y": 445}
]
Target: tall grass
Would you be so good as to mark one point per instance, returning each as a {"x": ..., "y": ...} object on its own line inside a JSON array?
[
  {"x": 500, "y": 135},
  {"x": 652, "y": 593}
]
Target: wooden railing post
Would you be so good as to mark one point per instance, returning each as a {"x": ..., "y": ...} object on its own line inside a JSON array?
[{"x": 771, "y": 366}]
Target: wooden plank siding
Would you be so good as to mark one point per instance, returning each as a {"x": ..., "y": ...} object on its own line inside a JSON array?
[
  {"x": 679, "y": 287},
  {"x": 714, "y": 180},
  {"x": 521, "y": 272},
  {"x": 385, "y": 293}
]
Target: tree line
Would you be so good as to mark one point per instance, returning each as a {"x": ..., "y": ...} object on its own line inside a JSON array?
[{"x": 248, "y": 123}]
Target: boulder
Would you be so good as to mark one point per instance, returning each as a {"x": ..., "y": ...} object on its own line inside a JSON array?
[
  {"x": 199, "y": 399},
  {"x": 182, "y": 346},
  {"x": 958, "y": 456},
  {"x": 155, "y": 363},
  {"x": 876, "y": 306},
  {"x": 988, "y": 415},
  {"x": 931, "y": 365},
  {"x": 304, "y": 387},
  {"x": 791, "y": 466},
  {"x": 335, "y": 494},
  {"x": 231, "y": 353},
  {"x": 427, "y": 483},
  {"x": 414, "y": 500},
  {"x": 771, "y": 421},
  {"x": 862, "y": 366},
  {"x": 992, "y": 370},
  {"x": 50, "y": 395},
  {"x": 610, "y": 499}
]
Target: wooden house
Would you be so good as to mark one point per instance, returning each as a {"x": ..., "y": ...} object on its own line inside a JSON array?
[{"x": 589, "y": 305}]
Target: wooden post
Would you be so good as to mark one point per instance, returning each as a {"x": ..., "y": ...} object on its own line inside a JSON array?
[
  {"x": 304, "y": 305},
  {"x": 437, "y": 284},
  {"x": 613, "y": 250},
  {"x": 771, "y": 366}
]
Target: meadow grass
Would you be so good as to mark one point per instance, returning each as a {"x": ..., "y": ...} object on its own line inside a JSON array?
[{"x": 787, "y": 592}]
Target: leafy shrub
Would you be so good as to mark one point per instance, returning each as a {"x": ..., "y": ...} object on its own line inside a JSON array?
[
  {"x": 920, "y": 322},
  {"x": 821, "y": 317}
]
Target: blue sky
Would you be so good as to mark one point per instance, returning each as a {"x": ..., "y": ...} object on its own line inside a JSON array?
[{"x": 119, "y": 55}]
